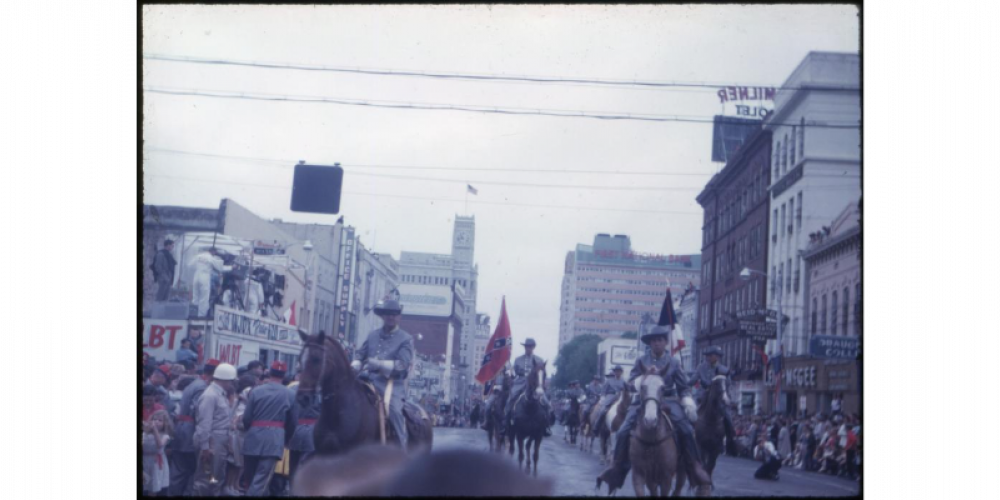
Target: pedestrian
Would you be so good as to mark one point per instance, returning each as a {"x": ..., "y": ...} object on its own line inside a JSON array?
[
  {"x": 785, "y": 443},
  {"x": 766, "y": 453},
  {"x": 184, "y": 455},
  {"x": 157, "y": 432},
  {"x": 270, "y": 419},
  {"x": 186, "y": 352},
  {"x": 235, "y": 472},
  {"x": 149, "y": 404},
  {"x": 213, "y": 425},
  {"x": 163, "y": 267}
]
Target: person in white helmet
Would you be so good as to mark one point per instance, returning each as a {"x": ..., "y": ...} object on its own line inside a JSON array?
[{"x": 213, "y": 423}]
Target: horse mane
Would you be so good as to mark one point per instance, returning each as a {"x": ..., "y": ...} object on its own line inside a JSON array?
[{"x": 338, "y": 366}]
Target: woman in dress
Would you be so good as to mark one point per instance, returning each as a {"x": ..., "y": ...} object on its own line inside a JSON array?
[
  {"x": 785, "y": 443},
  {"x": 157, "y": 432}
]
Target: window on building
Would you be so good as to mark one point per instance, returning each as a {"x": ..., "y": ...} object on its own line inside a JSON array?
[
  {"x": 777, "y": 162},
  {"x": 774, "y": 227},
  {"x": 846, "y": 311},
  {"x": 774, "y": 273},
  {"x": 833, "y": 315},
  {"x": 798, "y": 267},
  {"x": 791, "y": 212},
  {"x": 788, "y": 278},
  {"x": 781, "y": 275},
  {"x": 782, "y": 225},
  {"x": 802, "y": 137},
  {"x": 857, "y": 309},
  {"x": 798, "y": 214},
  {"x": 794, "y": 131},
  {"x": 814, "y": 312},
  {"x": 784, "y": 156},
  {"x": 822, "y": 316}
]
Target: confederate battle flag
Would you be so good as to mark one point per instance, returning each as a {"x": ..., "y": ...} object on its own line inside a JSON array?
[{"x": 498, "y": 350}]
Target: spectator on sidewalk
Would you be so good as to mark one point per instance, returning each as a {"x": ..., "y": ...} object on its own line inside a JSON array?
[
  {"x": 766, "y": 453},
  {"x": 186, "y": 352},
  {"x": 157, "y": 432}
]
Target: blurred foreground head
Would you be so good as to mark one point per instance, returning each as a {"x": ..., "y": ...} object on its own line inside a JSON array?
[
  {"x": 464, "y": 473},
  {"x": 361, "y": 472}
]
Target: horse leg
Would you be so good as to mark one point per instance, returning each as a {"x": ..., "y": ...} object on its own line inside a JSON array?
[
  {"x": 679, "y": 485},
  {"x": 520, "y": 453},
  {"x": 538, "y": 444},
  {"x": 638, "y": 482}
]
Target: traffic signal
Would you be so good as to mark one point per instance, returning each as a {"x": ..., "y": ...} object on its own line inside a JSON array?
[{"x": 316, "y": 188}]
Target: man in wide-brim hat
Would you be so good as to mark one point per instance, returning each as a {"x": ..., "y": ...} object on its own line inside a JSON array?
[
  {"x": 522, "y": 368},
  {"x": 703, "y": 375}
]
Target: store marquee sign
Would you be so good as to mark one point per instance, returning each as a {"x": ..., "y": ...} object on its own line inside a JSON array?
[
  {"x": 234, "y": 322},
  {"x": 833, "y": 347}
]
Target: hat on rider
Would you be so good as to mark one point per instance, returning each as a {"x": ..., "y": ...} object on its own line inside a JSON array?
[
  {"x": 388, "y": 307},
  {"x": 618, "y": 368},
  {"x": 610, "y": 374},
  {"x": 529, "y": 342},
  {"x": 574, "y": 382},
  {"x": 712, "y": 350},
  {"x": 658, "y": 331},
  {"x": 597, "y": 377},
  {"x": 278, "y": 369}
]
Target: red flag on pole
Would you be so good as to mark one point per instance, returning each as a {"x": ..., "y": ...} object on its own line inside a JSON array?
[{"x": 498, "y": 350}]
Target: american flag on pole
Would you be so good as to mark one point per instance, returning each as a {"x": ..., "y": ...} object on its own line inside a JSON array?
[{"x": 498, "y": 350}]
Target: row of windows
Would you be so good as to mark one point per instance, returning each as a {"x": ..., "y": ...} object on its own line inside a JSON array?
[
  {"x": 435, "y": 280},
  {"x": 788, "y": 210},
  {"x": 624, "y": 302},
  {"x": 622, "y": 292},
  {"x": 733, "y": 258},
  {"x": 782, "y": 276},
  {"x": 622, "y": 282},
  {"x": 609, "y": 321},
  {"x": 635, "y": 272},
  {"x": 819, "y": 314},
  {"x": 608, "y": 311},
  {"x": 785, "y": 151},
  {"x": 736, "y": 207}
]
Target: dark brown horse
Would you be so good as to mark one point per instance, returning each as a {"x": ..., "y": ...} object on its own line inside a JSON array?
[
  {"x": 587, "y": 434},
  {"x": 573, "y": 418},
  {"x": 496, "y": 428},
  {"x": 530, "y": 419},
  {"x": 709, "y": 429},
  {"x": 350, "y": 414}
]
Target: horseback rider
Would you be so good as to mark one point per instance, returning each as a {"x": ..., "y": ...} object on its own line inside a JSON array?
[
  {"x": 613, "y": 387},
  {"x": 703, "y": 375},
  {"x": 522, "y": 368},
  {"x": 677, "y": 403},
  {"x": 270, "y": 418},
  {"x": 385, "y": 356},
  {"x": 495, "y": 388},
  {"x": 574, "y": 391}
]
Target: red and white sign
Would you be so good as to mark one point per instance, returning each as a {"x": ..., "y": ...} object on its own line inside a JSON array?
[
  {"x": 161, "y": 338},
  {"x": 237, "y": 352}
]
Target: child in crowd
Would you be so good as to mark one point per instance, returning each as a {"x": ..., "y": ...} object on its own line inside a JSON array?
[{"x": 157, "y": 432}]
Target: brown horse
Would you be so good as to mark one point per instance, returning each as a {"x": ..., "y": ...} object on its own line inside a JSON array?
[
  {"x": 587, "y": 433},
  {"x": 350, "y": 415},
  {"x": 573, "y": 419},
  {"x": 496, "y": 428},
  {"x": 530, "y": 420},
  {"x": 709, "y": 429},
  {"x": 652, "y": 449}
]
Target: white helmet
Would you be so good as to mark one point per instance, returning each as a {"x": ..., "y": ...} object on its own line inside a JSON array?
[{"x": 225, "y": 371}]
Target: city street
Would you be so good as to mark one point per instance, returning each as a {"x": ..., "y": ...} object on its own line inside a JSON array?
[{"x": 574, "y": 471}]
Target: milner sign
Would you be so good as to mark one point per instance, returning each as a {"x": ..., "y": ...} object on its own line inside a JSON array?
[{"x": 747, "y": 102}]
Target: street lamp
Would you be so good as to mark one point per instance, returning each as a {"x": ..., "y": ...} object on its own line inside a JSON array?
[{"x": 746, "y": 275}]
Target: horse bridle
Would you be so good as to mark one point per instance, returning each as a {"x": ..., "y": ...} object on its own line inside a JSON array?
[{"x": 318, "y": 388}]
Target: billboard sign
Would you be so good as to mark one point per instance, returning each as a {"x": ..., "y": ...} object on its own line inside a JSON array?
[
  {"x": 622, "y": 355},
  {"x": 765, "y": 330},
  {"x": 426, "y": 300},
  {"x": 729, "y": 134},
  {"x": 161, "y": 338},
  {"x": 237, "y": 352},
  {"x": 833, "y": 347},
  {"x": 747, "y": 102},
  {"x": 242, "y": 324}
]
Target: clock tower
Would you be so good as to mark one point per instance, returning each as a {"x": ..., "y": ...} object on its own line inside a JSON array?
[
  {"x": 464, "y": 272},
  {"x": 463, "y": 241}
]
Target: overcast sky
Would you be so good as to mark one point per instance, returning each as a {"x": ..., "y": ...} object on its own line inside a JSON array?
[{"x": 520, "y": 250}]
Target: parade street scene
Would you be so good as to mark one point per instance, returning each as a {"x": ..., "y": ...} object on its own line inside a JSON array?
[{"x": 501, "y": 250}]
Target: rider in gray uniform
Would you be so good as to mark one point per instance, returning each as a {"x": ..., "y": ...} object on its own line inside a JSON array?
[
  {"x": 704, "y": 374},
  {"x": 677, "y": 402},
  {"x": 522, "y": 368},
  {"x": 496, "y": 385},
  {"x": 613, "y": 386}
]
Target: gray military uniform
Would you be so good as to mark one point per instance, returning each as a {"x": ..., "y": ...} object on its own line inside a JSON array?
[
  {"x": 213, "y": 423},
  {"x": 185, "y": 458},
  {"x": 269, "y": 419},
  {"x": 612, "y": 388},
  {"x": 522, "y": 368},
  {"x": 396, "y": 346}
]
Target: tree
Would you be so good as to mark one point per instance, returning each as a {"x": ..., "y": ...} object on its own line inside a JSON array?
[{"x": 577, "y": 360}]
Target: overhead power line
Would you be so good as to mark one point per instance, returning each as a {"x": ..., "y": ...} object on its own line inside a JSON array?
[
  {"x": 483, "y": 76},
  {"x": 467, "y": 108}
]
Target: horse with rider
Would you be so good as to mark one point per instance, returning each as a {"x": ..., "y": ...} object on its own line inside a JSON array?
[{"x": 593, "y": 392}]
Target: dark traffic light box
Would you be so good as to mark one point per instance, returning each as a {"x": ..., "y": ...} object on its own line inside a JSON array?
[{"x": 316, "y": 188}]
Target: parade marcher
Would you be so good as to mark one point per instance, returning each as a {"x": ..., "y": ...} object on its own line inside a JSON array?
[
  {"x": 704, "y": 374},
  {"x": 772, "y": 460},
  {"x": 269, "y": 418},
  {"x": 163, "y": 270},
  {"x": 386, "y": 355},
  {"x": 213, "y": 425},
  {"x": 205, "y": 264},
  {"x": 522, "y": 368},
  {"x": 677, "y": 402},
  {"x": 613, "y": 387},
  {"x": 301, "y": 446},
  {"x": 185, "y": 457},
  {"x": 157, "y": 432}
]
